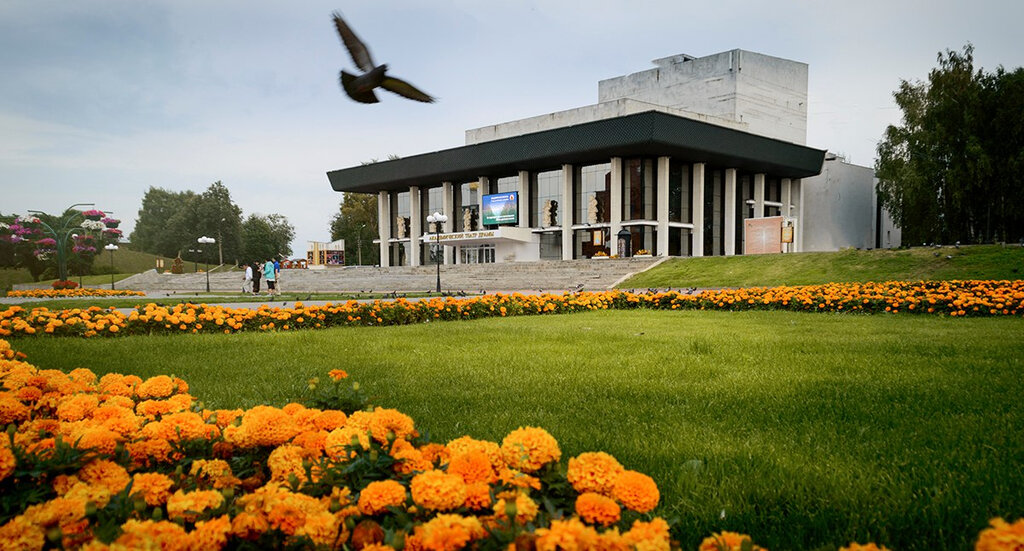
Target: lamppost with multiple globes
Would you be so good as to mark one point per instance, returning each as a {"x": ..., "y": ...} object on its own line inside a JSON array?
[
  {"x": 437, "y": 219},
  {"x": 111, "y": 247},
  {"x": 206, "y": 241}
]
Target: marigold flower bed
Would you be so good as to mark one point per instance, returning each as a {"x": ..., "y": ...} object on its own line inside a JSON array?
[
  {"x": 74, "y": 293},
  {"x": 948, "y": 298}
]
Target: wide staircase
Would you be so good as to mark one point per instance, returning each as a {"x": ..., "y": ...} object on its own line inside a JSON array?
[{"x": 547, "y": 276}]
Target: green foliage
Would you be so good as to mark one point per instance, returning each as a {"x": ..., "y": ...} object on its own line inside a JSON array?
[
  {"x": 356, "y": 223},
  {"x": 266, "y": 237},
  {"x": 170, "y": 222},
  {"x": 952, "y": 170},
  {"x": 32, "y": 479},
  {"x": 339, "y": 394},
  {"x": 160, "y": 228}
]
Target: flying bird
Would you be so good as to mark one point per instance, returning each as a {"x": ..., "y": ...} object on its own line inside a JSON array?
[{"x": 360, "y": 88}]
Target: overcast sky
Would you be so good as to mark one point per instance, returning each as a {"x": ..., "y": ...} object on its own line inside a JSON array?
[{"x": 101, "y": 100}]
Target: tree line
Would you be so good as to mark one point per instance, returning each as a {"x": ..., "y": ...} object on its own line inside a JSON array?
[{"x": 954, "y": 169}]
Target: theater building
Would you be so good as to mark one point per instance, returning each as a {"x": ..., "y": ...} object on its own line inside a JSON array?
[{"x": 695, "y": 157}]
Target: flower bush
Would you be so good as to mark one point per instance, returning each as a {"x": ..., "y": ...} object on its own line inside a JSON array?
[
  {"x": 124, "y": 462},
  {"x": 947, "y": 298},
  {"x": 600, "y": 253},
  {"x": 93, "y": 214},
  {"x": 69, "y": 289}
]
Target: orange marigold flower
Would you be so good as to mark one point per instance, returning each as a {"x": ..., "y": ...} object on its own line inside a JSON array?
[
  {"x": 865, "y": 547},
  {"x": 478, "y": 496},
  {"x": 379, "y": 495},
  {"x": 7, "y": 460},
  {"x": 210, "y": 534},
  {"x": 566, "y": 534},
  {"x": 189, "y": 506},
  {"x": 107, "y": 474},
  {"x": 448, "y": 532},
  {"x": 340, "y": 438},
  {"x": 528, "y": 449},
  {"x": 1001, "y": 535},
  {"x": 409, "y": 459},
  {"x": 287, "y": 461},
  {"x": 728, "y": 541},
  {"x": 311, "y": 441},
  {"x": 648, "y": 536},
  {"x": 594, "y": 472},
  {"x": 467, "y": 444},
  {"x": 11, "y": 409},
  {"x": 99, "y": 439},
  {"x": 160, "y": 386},
  {"x": 249, "y": 526},
  {"x": 438, "y": 490},
  {"x": 22, "y": 533},
  {"x": 77, "y": 407},
  {"x": 636, "y": 491},
  {"x": 337, "y": 374},
  {"x": 155, "y": 488},
  {"x": 384, "y": 422},
  {"x": 330, "y": 419},
  {"x": 595, "y": 508},
  {"x": 473, "y": 466},
  {"x": 148, "y": 534},
  {"x": 214, "y": 473}
]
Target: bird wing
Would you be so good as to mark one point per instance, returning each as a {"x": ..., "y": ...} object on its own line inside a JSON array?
[
  {"x": 403, "y": 88},
  {"x": 362, "y": 96},
  {"x": 360, "y": 54}
]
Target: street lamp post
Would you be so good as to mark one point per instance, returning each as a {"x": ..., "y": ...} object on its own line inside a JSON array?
[
  {"x": 111, "y": 247},
  {"x": 437, "y": 219},
  {"x": 359, "y": 243},
  {"x": 205, "y": 241}
]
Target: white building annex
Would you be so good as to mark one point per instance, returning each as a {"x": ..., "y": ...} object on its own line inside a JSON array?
[{"x": 677, "y": 160}]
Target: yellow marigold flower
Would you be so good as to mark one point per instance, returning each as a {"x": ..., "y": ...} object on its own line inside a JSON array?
[
  {"x": 1001, "y": 535},
  {"x": 22, "y": 533},
  {"x": 377, "y": 496},
  {"x": 7, "y": 460},
  {"x": 263, "y": 426},
  {"x": 438, "y": 490},
  {"x": 595, "y": 508},
  {"x": 321, "y": 527},
  {"x": 648, "y": 536},
  {"x": 594, "y": 472},
  {"x": 155, "y": 488},
  {"x": 99, "y": 439},
  {"x": 340, "y": 438},
  {"x": 213, "y": 472},
  {"x": 727, "y": 541},
  {"x": 384, "y": 421},
  {"x": 522, "y": 508},
  {"x": 528, "y": 449},
  {"x": 249, "y": 526},
  {"x": 286, "y": 461},
  {"x": 189, "y": 506},
  {"x": 118, "y": 385},
  {"x": 148, "y": 534},
  {"x": 160, "y": 386},
  {"x": 566, "y": 534},
  {"x": 448, "y": 533},
  {"x": 473, "y": 466},
  {"x": 636, "y": 491},
  {"x": 467, "y": 444}
]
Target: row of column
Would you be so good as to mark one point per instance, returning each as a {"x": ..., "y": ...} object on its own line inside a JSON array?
[{"x": 696, "y": 227}]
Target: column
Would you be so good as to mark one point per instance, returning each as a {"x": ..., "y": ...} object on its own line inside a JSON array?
[
  {"x": 799, "y": 239},
  {"x": 415, "y": 215},
  {"x": 567, "y": 214},
  {"x": 697, "y": 208},
  {"x": 729, "y": 211},
  {"x": 483, "y": 188},
  {"x": 615, "y": 205},
  {"x": 787, "y": 201},
  {"x": 663, "y": 172},
  {"x": 759, "y": 195},
  {"x": 448, "y": 209},
  {"x": 524, "y": 199},
  {"x": 384, "y": 227}
]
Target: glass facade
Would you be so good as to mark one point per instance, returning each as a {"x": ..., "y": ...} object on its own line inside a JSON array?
[
  {"x": 592, "y": 186},
  {"x": 400, "y": 228},
  {"x": 546, "y": 196},
  {"x": 506, "y": 184},
  {"x": 639, "y": 195},
  {"x": 680, "y": 192},
  {"x": 431, "y": 200},
  {"x": 467, "y": 215}
]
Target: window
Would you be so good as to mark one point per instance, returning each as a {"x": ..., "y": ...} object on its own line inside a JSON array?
[
  {"x": 468, "y": 201},
  {"x": 546, "y": 197},
  {"x": 592, "y": 194},
  {"x": 638, "y": 189}
]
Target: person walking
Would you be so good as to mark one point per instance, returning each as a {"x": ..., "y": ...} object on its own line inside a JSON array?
[
  {"x": 247, "y": 280},
  {"x": 270, "y": 275},
  {"x": 277, "y": 275},
  {"x": 257, "y": 273}
]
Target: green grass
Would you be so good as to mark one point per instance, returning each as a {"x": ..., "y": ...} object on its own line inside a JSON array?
[
  {"x": 803, "y": 430},
  {"x": 10, "y": 276},
  {"x": 974, "y": 262}
]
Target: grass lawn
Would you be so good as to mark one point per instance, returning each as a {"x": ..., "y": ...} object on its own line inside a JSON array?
[
  {"x": 804, "y": 430},
  {"x": 923, "y": 263}
]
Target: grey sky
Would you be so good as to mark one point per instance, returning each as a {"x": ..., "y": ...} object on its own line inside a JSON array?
[{"x": 100, "y": 100}]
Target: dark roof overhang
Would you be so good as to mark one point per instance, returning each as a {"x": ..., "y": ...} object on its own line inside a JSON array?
[{"x": 648, "y": 134}]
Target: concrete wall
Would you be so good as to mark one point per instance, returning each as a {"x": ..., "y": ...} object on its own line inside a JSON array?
[
  {"x": 579, "y": 115},
  {"x": 767, "y": 93},
  {"x": 839, "y": 207}
]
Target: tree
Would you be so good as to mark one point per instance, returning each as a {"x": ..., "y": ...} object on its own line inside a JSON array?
[
  {"x": 356, "y": 223},
  {"x": 946, "y": 173},
  {"x": 219, "y": 217},
  {"x": 161, "y": 227},
  {"x": 266, "y": 237}
]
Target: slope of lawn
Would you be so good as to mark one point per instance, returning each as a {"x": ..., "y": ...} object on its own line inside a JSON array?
[
  {"x": 803, "y": 430},
  {"x": 923, "y": 263}
]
